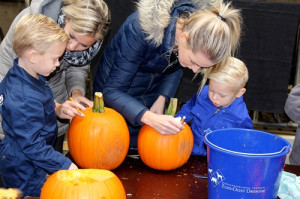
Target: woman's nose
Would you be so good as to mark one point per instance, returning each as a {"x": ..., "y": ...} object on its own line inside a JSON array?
[
  {"x": 195, "y": 69},
  {"x": 72, "y": 45},
  {"x": 57, "y": 63}
]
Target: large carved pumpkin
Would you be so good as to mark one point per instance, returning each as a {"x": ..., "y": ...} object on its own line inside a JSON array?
[
  {"x": 83, "y": 183},
  {"x": 99, "y": 140},
  {"x": 165, "y": 152}
]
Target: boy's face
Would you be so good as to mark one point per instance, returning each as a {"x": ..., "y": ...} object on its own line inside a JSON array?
[
  {"x": 46, "y": 63},
  {"x": 222, "y": 94}
]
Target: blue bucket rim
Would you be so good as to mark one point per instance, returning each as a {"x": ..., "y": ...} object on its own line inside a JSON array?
[{"x": 247, "y": 154}]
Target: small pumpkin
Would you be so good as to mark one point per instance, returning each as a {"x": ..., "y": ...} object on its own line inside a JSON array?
[
  {"x": 100, "y": 140},
  {"x": 83, "y": 183},
  {"x": 165, "y": 152}
]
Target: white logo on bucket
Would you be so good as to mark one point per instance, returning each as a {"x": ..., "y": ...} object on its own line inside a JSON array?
[{"x": 217, "y": 177}]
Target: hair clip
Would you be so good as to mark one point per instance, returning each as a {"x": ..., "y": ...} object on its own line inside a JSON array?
[
  {"x": 185, "y": 14},
  {"x": 220, "y": 17}
]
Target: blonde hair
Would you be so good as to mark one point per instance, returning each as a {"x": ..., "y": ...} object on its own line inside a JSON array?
[
  {"x": 88, "y": 17},
  {"x": 234, "y": 72},
  {"x": 38, "y": 32},
  {"x": 215, "y": 32}
]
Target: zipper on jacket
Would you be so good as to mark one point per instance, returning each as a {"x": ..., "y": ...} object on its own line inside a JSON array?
[{"x": 168, "y": 58}]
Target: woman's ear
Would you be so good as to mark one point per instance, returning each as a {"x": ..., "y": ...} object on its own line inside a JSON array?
[
  {"x": 241, "y": 92},
  {"x": 183, "y": 37}
]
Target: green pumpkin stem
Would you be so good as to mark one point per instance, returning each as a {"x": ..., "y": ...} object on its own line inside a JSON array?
[
  {"x": 172, "y": 107},
  {"x": 98, "y": 103}
]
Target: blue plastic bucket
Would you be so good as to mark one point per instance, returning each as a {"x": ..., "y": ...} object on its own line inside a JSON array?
[{"x": 244, "y": 163}]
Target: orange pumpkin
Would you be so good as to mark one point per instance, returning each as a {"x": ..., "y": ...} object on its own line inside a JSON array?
[
  {"x": 83, "y": 183},
  {"x": 100, "y": 140},
  {"x": 165, "y": 152}
]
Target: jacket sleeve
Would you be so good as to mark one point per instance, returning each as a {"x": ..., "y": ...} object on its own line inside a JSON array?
[
  {"x": 292, "y": 104},
  {"x": 240, "y": 117},
  {"x": 247, "y": 123},
  {"x": 130, "y": 48},
  {"x": 75, "y": 78},
  {"x": 169, "y": 83},
  {"x": 28, "y": 136}
]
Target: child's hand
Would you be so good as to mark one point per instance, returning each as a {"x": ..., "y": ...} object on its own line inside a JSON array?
[
  {"x": 73, "y": 166},
  {"x": 68, "y": 109}
]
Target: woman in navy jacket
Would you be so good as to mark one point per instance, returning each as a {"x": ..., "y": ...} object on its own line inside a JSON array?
[{"x": 141, "y": 68}]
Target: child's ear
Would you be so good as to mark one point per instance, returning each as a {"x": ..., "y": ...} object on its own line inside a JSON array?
[
  {"x": 32, "y": 56},
  {"x": 241, "y": 92}
]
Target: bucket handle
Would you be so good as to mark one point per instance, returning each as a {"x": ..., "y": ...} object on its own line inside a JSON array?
[{"x": 241, "y": 153}]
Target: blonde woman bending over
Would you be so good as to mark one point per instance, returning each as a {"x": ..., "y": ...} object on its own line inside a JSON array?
[{"x": 141, "y": 68}]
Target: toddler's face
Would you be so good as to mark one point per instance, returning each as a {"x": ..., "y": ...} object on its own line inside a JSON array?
[{"x": 221, "y": 94}]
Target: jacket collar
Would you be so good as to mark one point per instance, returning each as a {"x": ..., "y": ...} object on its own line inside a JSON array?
[{"x": 158, "y": 18}]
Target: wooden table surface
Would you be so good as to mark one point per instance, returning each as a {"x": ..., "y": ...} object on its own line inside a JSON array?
[{"x": 142, "y": 182}]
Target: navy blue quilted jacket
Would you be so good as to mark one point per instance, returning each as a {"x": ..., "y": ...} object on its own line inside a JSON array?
[{"x": 135, "y": 68}]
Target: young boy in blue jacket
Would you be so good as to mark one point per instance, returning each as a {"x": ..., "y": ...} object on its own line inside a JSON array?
[
  {"x": 27, "y": 106},
  {"x": 220, "y": 104}
]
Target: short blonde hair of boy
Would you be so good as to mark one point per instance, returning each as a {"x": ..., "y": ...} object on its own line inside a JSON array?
[
  {"x": 88, "y": 17},
  {"x": 234, "y": 72},
  {"x": 38, "y": 32}
]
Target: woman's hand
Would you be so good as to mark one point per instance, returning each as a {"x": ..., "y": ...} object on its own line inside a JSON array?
[
  {"x": 165, "y": 124},
  {"x": 79, "y": 98},
  {"x": 73, "y": 166},
  {"x": 158, "y": 105}
]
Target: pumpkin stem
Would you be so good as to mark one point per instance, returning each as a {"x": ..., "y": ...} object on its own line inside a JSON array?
[
  {"x": 172, "y": 107},
  {"x": 98, "y": 103}
]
